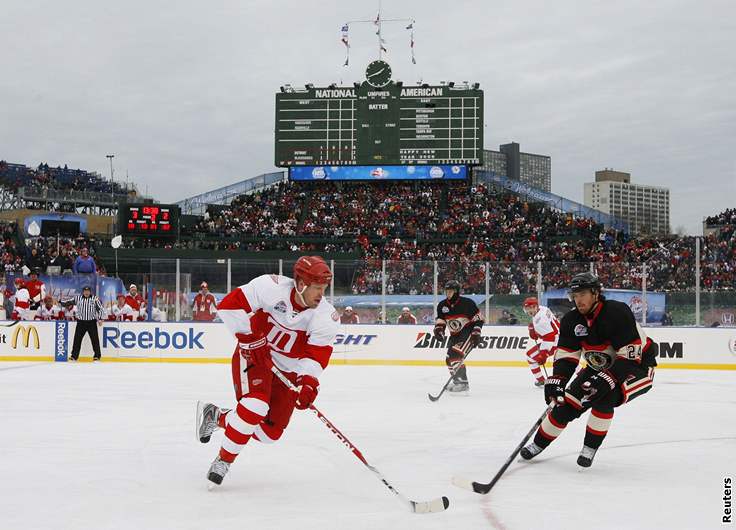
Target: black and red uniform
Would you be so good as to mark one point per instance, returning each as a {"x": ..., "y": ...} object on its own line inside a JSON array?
[
  {"x": 461, "y": 317},
  {"x": 620, "y": 367}
]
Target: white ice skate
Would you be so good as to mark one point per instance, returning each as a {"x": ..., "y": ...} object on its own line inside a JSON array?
[
  {"x": 459, "y": 387},
  {"x": 207, "y": 417},
  {"x": 218, "y": 470}
]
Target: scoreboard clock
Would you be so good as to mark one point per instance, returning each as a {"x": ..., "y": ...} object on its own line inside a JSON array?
[
  {"x": 149, "y": 219},
  {"x": 380, "y": 122}
]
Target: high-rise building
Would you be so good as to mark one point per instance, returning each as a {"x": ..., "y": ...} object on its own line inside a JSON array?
[
  {"x": 645, "y": 208},
  {"x": 511, "y": 163}
]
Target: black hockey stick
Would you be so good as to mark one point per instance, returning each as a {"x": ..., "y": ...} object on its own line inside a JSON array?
[
  {"x": 465, "y": 348},
  {"x": 439, "y": 504},
  {"x": 13, "y": 323},
  {"x": 479, "y": 487}
]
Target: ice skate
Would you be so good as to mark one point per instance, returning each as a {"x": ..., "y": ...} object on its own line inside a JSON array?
[
  {"x": 530, "y": 451},
  {"x": 585, "y": 459},
  {"x": 218, "y": 470},
  {"x": 458, "y": 387},
  {"x": 539, "y": 384},
  {"x": 207, "y": 416}
]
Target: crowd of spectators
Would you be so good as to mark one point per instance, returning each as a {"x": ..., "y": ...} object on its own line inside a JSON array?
[
  {"x": 44, "y": 177},
  {"x": 413, "y": 224},
  {"x": 76, "y": 255}
]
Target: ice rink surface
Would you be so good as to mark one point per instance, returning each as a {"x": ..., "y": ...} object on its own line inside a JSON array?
[{"x": 112, "y": 445}]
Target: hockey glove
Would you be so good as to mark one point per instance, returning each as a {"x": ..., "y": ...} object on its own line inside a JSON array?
[
  {"x": 255, "y": 350},
  {"x": 532, "y": 332},
  {"x": 308, "y": 388},
  {"x": 475, "y": 337},
  {"x": 439, "y": 331},
  {"x": 597, "y": 386},
  {"x": 554, "y": 389}
]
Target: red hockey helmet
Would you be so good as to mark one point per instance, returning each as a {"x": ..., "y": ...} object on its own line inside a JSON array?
[
  {"x": 532, "y": 300},
  {"x": 19, "y": 282},
  {"x": 312, "y": 269}
]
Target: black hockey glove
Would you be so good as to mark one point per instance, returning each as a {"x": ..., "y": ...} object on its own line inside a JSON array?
[
  {"x": 554, "y": 389},
  {"x": 597, "y": 386},
  {"x": 475, "y": 337},
  {"x": 439, "y": 331}
]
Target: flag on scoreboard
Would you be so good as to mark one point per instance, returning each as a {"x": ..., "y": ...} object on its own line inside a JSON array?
[
  {"x": 410, "y": 27},
  {"x": 346, "y": 43}
]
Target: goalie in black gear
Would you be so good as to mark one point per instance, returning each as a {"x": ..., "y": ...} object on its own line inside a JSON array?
[
  {"x": 460, "y": 316},
  {"x": 620, "y": 367}
]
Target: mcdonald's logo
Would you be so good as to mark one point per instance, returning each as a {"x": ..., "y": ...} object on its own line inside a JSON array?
[{"x": 26, "y": 333}]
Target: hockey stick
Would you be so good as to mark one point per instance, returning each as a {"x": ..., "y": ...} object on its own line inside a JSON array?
[
  {"x": 465, "y": 348},
  {"x": 13, "y": 323},
  {"x": 435, "y": 505},
  {"x": 479, "y": 487}
]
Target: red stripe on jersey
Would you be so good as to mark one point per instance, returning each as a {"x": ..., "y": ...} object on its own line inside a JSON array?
[
  {"x": 593, "y": 431},
  {"x": 573, "y": 404},
  {"x": 549, "y": 337},
  {"x": 595, "y": 347},
  {"x": 602, "y": 415},
  {"x": 555, "y": 423},
  {"x": 248, "y": 416},
  {"x": 321, "y": 354},
  {"x": 634, "y": 388},
  {"x": 235, "y": 300}
]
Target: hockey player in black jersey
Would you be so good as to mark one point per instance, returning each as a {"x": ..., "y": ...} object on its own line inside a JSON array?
[
  {"x": 461, "y": 317},
  {"x": 620, "y": 367}
]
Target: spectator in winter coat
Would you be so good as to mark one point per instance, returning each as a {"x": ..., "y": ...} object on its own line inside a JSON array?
[{"x": 84, "y": 264}]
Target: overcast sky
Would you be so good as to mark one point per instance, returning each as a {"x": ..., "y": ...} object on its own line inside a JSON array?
[{"x": 183, "y": 92}]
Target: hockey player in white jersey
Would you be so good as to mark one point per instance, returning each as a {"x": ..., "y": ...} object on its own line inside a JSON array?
[
  {"x": 544, "y": 330},
  {"x": 277, "y": 321}
]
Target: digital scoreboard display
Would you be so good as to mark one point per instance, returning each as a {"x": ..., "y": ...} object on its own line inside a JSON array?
[
  {"x": 149, "y": 219},
  {"x": 387, "y": 125}
]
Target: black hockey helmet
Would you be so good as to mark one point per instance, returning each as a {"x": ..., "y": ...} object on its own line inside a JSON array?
[
  {"x": 585, "y": 280},
  {"x": 453, "y": 284}
]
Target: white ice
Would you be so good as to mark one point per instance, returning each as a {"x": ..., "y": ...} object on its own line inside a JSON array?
[{"x": 112, "y": 445}]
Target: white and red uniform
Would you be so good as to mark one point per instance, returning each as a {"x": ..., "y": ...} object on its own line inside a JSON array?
[
  {"x": 205, "y": 307},
  {"x": 123, "y": 314},
  {"x": 68, "y": 313},
  {"x": 544, "y": 330},
  {"x": 300, "y": 340},
  {"x": 137, "y": 304},
  {"x": 21, "y": 305},
  {"x": 47, "y": 313},
  {"x": 36, "y": 290}
]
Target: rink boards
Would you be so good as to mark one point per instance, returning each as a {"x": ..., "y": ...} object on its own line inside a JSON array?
[{"x": 694, "y": 348}]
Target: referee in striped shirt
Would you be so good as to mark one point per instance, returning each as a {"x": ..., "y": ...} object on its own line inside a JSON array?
[{"x": 90, "y": 314}]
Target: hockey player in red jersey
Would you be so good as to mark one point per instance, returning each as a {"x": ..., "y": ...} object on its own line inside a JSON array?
[
  {"x": 281, "y": 322},
  {"x": 620, "y": 367},
  {"x": 543, "y": 330},
  {"x": 204, "y": 305}
]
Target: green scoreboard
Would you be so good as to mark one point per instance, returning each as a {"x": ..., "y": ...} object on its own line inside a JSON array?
[{"x": 379, "y": 122}]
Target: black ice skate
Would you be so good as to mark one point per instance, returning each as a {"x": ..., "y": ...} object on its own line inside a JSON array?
[
  {"x": 586, "y": 456},
  {"x": 530, "y": 451},
  {"x": 218, "y": 470},
  {"x": 207, "y": 416}
]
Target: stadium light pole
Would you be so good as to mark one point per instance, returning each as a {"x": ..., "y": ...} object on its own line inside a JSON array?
[{"x": 112, "y": 179}]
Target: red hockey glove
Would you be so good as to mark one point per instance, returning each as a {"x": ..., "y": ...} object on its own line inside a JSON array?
[
  {"x": 255, "y": 350},
  {"x": 308, "y": 388},
  {"x": 554, "y": 389},
  {"x": 475, "y": 337},
  {"x": 439, "y": 331},
  {"x": 532, "y": 333}
]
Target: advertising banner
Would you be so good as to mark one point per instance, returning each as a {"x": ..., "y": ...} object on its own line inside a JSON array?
[{"x": 695, "y": 348}]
